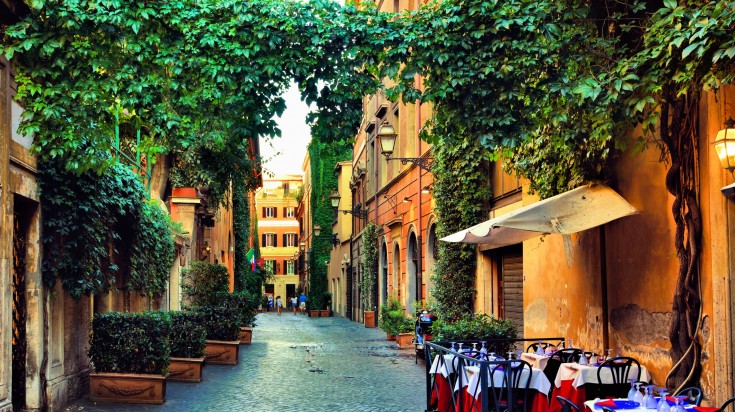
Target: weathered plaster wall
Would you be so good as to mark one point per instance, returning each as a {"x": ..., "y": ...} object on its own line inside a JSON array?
[{"x": 642, "y": 263}]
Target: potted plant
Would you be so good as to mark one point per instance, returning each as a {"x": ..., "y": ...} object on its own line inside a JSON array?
[
  {"x": 325, "y": 313},
  {"x": 130, "y": 355},
  {"x": 313, "y": 308},
  {"x": 370, "y": 263},
  {"x": 404, "y": 332},
  {"x": 390, "y": 314},
  {"x": 222, "y": 325},
  {"x": 247, "y": 307},
  {"x": 187, "y": 338}
]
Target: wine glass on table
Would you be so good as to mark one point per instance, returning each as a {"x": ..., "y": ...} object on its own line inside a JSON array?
[
  {"x": 638, "y": 397},
  {"x": 632, "y": 391},
  {"x": 663, "y": 405},
  {"x": 651, "y": 400}
]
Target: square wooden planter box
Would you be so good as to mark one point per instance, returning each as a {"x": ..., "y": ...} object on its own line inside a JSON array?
[
  {"x": 219, "y": 352},
  {"x": 186, "y": 369},
  {"x": 369, "y": 319},
  {"x": 324, "y": 313},
  {"x": 246, "y": 335},
  {"x": 404, "y": 340},
  {"x": 127, "y": 388},
  {"x": 313, "y": 313}
]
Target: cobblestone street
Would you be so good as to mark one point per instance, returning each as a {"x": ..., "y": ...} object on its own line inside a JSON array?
[{"x": 301, "y": 364}]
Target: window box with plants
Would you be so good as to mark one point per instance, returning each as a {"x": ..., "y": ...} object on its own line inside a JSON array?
[
  {"x": 130, "y": 355},
  {"x": 187, "y": 340}
]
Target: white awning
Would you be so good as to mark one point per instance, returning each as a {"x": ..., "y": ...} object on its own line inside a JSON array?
[{"x": 574, "y": 211}]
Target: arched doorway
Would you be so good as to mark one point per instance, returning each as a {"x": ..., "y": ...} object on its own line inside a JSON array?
[
  {"x": 383, "y": 272},
  {"x": 412, "y": 270}
]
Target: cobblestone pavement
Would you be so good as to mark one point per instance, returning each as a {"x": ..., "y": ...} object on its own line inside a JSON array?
[{"x": 301, "y": 364}]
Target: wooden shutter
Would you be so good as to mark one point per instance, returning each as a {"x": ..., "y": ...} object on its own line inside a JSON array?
[
  {"x": 262, "y": 237},
  {"x": 296, "y": 241},
  {"x": 264, "y": 212},
  {"x": 284, "y": 212},
  {"x": 275, "y": 212},
  {"x": 512, "y": 288},
  {"x": 285, "y": 243},
  {"x": 285, "y": 266}
]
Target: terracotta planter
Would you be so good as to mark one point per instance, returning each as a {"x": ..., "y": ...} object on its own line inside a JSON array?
[
  {"x": 183, "y": 192},
  {"x": 404, "y": 340},
  {"x": 313, "y": 313},
  {"x": 219, "y": 352},
  {"x": 127, "y": 388},
  {"x": 324, "y": 313},
  {"x": 185, "y": 369},
  {"x": 369, "y": 319},
  {"x": 390, "y": 337},
  {"x": 246, "y": 335}
]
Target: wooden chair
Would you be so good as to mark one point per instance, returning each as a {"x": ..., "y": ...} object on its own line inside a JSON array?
[
  {"x": 567, "y": 405},
  {"x": 726, "y": 404},
  {"x": 620, "y": 369},
  {"x": 693, "y": 394}
]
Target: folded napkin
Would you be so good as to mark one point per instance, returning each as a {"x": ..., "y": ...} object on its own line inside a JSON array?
[
  {"x": 607, "y": 402},
  {"x": 706, "y": 409}
]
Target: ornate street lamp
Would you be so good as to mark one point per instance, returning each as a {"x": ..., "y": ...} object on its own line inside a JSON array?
[
  {"x": 725, "y": 147},
  {"x": 387, "y": 137}
]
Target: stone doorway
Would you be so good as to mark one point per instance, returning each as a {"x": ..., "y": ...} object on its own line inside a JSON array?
[{"x": 21, "y": 225}]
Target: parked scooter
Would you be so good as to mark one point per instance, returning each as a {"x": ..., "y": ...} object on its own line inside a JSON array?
[{"x": 423, "y": 331}]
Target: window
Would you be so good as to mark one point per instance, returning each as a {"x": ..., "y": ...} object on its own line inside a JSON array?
[
  {"x": 290, "y": 239},
  {"x": 269, "y": 240},
  {"x": 289, "y": 212},
  {"x": 270, "y": 212},
  {"x": 270, "y": 266},
  {"x": 291, "y": 266}
]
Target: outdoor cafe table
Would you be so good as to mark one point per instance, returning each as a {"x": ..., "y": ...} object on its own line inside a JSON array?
[
  {"x": 572, "y": 377},
  {"x": 589, "y": 406},
  {"x": 471, "y": 394},
  {"x": 441, "y": 392}
]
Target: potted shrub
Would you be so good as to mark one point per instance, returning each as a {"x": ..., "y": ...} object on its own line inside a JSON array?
[
  {"x": 130, "y": 355},
  {"x": 222, "y": 325},
  {"x": 390, "y": 315},
  {"x": 404, "y": 332},
  {"x": 247, "y": 307},
  {"x": 187, "y": 339},
  {"x": 313, "y": 309},
  {"x": 370, "y": 262},
  {"x": 325, "y": 313}
]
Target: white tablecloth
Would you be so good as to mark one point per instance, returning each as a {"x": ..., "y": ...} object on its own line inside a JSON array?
[
  {"x": 583, "y": 374},
  {"x": 536, "y": 361},
  {"x": 539, "y": 381},
  {"x": 590, "y": 406},
  {"x": 443, "y": 365}
]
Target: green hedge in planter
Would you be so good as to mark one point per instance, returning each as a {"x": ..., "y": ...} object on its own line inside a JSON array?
[
  {"x": 220, "y": 322},
  {"x": 246, "y": 304},
  {"x": 477, "y": 327},
  {"x": 187, "y": 336},
  {"x": 204, "y": 284},
  {"x": 130, "y": 342}
]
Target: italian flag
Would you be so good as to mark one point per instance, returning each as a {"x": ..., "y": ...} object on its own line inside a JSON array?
[{"x": 251, "y": 258}]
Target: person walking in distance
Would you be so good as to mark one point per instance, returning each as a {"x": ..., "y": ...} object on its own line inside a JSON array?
[
  {"x": 302, "y": 303},
  {"x": 279, "y": 304},
  {"x": 294, "y": 303}
]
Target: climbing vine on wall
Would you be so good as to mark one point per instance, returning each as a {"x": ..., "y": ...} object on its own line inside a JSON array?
[
  {"x": 369, "y": 265},
  {"x": 99, "y": 232}
]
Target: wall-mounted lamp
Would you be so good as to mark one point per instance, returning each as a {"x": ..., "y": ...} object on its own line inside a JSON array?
[
  {"x": 406, "y": 199},
  {"x": 387, "y": 136},
  {"x": 725, "y": 147},
  {"x": 317, "y": 230},
  {"x": 335, "y": 239},
  {"x": 356, "y": 211},
  {"x": 302, "y": 245},
  {"x": 426, "y": 190}
]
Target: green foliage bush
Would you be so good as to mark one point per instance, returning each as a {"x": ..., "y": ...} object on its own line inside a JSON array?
[
  {"x": 477, "y": 327},
  {"x": 220, "y": 322},
  {"x": 99, "y": 232},
  {"x": 246, "y": 304},
  {"x": 205, "y": 284},
  {"x": 130, "y": 342},
  {"x": 392, "y": 318},
  {"x": 187, "y": 336}
]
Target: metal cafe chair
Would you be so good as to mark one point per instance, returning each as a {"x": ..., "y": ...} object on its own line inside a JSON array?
[
  {"x": 726, "y": 404},
  {"x": 620, "y": 369},
  {"x": 532, "y": 348},
  {"x": 693, "y": 394},
  {"x": 567, "y": 355},
  {"x": 567, "y": 405}
]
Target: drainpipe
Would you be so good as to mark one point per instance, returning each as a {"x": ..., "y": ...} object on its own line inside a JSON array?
[
  {"x": 603, "y": 281},
  {"x": 420, "y": 269}
]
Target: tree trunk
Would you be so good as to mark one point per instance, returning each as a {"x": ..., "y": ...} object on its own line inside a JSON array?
[{"x": 679, "y": 133}]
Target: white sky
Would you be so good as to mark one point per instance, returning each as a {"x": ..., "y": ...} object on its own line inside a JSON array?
[{"x": 285, "y": 155}]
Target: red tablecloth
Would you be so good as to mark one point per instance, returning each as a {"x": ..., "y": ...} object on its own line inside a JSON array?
[
  {"x": 539, "y": 403},
  {"x": 567, "y": 390},
  {"x": 441, "y": 394}
]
